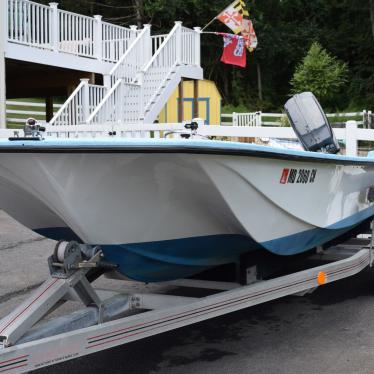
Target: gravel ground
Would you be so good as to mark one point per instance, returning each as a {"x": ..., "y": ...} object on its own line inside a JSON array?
[{"x": 330, "y": 331}]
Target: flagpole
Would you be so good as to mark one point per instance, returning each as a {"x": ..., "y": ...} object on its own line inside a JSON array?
[
  {"x": 209, "y": 23},
  {"x": 225, "y": 33}
]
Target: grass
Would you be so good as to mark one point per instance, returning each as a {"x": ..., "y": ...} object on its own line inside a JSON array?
[{"x": 22, "y": 116}]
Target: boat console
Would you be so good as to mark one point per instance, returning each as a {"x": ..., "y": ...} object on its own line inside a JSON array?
[{"x": 311, "y": 124}]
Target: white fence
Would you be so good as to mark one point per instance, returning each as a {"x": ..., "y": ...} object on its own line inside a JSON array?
[
  {"x": 247, "y": 119},
  {"x": 47, "y": 27},
  {"x": 18, "y": 111},
  {"x": 351, "y": 134},
  {"x": 365, "y": 118}
]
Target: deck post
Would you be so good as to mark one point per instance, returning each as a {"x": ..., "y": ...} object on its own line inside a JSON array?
[
  {"x": 107, "y": 81},
  {"x": 235, "y": 119},
  {"x": 351, "y": 138},
  {"x": 3, "y": 40},
  {"x": 148, "y": 43},
  {"x": 197, "y": 46},
  {"x": 85, "y": 99},
  {"x": 134, "y": 33},
  {"x": 370, "y": 119},
  {"x": 98, "y": 38},
  {"x": 55, "y": 27},
  {"x": 179, "y": 42}
]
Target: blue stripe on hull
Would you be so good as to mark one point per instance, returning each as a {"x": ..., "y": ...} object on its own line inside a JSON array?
[
  {"x": 175, "y": 259},
  {"x": 303, "y": 241},
  {"x": 180, "y": 258}
]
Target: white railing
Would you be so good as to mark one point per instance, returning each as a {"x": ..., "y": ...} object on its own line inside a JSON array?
[
  {"x": 134, "y": 58},
  {"x": 108, "y": 109},
  {"x": 76, "y": 34},
  {"x": 368, "y": 119},
  {"x": 189, "y": 40},
  {"x": 96, "y": 94},
  {"x": 71, "y": 112},
  {"x": 182, "y": 46},
  {"x": 79, "y": 105},
  {"x": 365, "y": 118},
  {"x": 176, "y": 48},
  {"x": 48, "y": 27},
  {"x": 134, "y": 89},
  {"x": 120, "y": 104},
  {"x": 104, "y": 105},
  {"x": 29, "y": 23},
  {"x": 161, "y": 66},
  {"x": 246, "y": 119},
  {"x": 157, "y": 40},
  {"x": 116, "y": 41}
]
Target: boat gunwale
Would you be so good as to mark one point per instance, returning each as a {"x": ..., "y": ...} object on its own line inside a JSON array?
[{"x": 187, "y": 149}]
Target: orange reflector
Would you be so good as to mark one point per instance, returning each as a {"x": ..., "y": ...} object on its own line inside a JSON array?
[{"x": 321, "y": 278}]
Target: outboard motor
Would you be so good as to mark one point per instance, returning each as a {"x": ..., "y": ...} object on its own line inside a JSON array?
[{"x": 311, "y": 124}]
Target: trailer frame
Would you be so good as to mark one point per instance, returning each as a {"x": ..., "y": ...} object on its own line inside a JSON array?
[{"x": 158, "y": 313}]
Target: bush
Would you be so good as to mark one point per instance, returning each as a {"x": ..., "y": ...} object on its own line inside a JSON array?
[{"x": 320, "y": 73}]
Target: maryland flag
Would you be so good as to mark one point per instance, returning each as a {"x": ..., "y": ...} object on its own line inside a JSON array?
[
  {"x": 233, "y": 16},
  {"x": 248, "y": 32},
  {"x": 236, "y": 17}
]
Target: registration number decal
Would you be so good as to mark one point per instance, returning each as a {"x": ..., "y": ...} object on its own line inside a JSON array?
[{"x": 298, "y": 176}]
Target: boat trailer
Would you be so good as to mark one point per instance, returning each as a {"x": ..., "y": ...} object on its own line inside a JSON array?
[{"x": 112, "y": 319}]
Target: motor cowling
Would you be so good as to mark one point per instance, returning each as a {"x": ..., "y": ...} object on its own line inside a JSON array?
[{"x": 310, "y": 124}]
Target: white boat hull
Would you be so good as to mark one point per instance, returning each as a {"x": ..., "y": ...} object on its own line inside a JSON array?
[{"x": 184, "y": 210}]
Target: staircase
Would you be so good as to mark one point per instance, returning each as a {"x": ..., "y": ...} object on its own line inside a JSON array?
[{"x": 140, "y": 83}]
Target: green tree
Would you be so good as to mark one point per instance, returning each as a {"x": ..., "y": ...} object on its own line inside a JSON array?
[{"x": 320, "y": 73}]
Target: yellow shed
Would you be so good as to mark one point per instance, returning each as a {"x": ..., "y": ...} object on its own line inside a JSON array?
[{"x": 209, "y": 103}]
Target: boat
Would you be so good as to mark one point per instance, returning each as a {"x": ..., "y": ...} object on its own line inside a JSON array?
[{"x": 165, "y": 209}]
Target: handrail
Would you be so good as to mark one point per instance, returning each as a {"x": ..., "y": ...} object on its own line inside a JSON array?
[
  {"x": 137, "y": 76},
  {"x": 67, "y": 102},
  {"x": 177, "y": 25},
  {"x": 129, "y": 78},
  {"x": 127, "y": 53},
  {"x": 171, "y": 49},
  {"x": 103, "y": 102}
]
